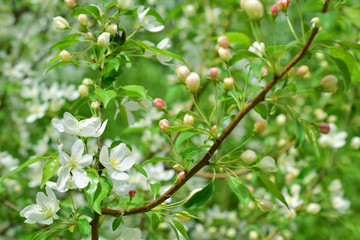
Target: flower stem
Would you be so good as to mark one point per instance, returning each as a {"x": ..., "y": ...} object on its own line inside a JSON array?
[{"x": 291, "y": 27}]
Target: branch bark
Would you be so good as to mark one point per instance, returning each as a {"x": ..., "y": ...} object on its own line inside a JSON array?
[{"x": 227, "y": 131}]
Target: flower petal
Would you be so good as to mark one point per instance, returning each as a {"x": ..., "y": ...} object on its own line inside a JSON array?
[
  {"x": 77, "y": 149},
  {"x": 119, "y": 176},
  {"x": 85, "y": 160},
  {"x": 80, "y": 177},
  {"x": 127, "y": 163},
  {"x": 58, "y": 124}
]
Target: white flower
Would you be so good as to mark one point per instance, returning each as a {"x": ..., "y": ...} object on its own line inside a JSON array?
[
  {"x": 129, "y": 106},
  {"x": 267, "y": 164},
  {"x": 60, "y": 23},
  {"x": 71, "y": 172},
  {"x": 333, "y": 139},
  {"x": 313, "y": 208},
  {"x": 340, "y": 203},
  {"x": 355, "y": 143},
  {"x": 117, "y": 162},
  {"x": 122, "y": 4},
  {"x": 163, "y": 44},
  {"x": 44, "y": 211},
  {"x": 90, "y": 127},
  {"x": 37, "y": 111},
  {"x": 257, "y": 48},
  {"x": 104, "y": 39},
  {"x": 149, "y": 23}
]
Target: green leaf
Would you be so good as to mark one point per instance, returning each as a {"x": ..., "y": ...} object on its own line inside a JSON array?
[
  {"x": 328, "y": 19},
  {"x": 140, "y": 169},
  {"x": 116, "y": 223},
  {"x": 301, "y": 134},
  {"x": 22, "y": 166},
  {"x": 262, "y": 110},
  {"x": 240, "y": 190},
  {"x": 49, "y": 170},
  {"x": 167, "y": 53},
  {"x": 134, "y": 91},
  {"x": 90, "y": 189},
  {"x": 179, "y": 128},
  {"x": 115, "y": 63},
  {"x": 64, "y": 44},
  {"x": 174, "y": 228},
  {"x": 182, "y": 113},
  {"x": 181, "y": 228},
  {"x": 109, "y": 5},
  {"x": 344, "y": 71},
  {"x": 155, "y": 220},
  {"x": 201, "y": 197},
  {"x": 183, "y": 137},
  {"x": 273, "y": 189},
  {"x": 105, "y": 95},
  {"x": 191, "y": 152},
  {"x": 54, "y": 59},
  {"x": 155, "y": 188},
  {"x": 256, "y": 65},
  {"x": 94, "y": 10},
  {"x": 186, "y": 214},
  {"x": 102, "y": 191},
  {"x": 311, "y": 135},
  {"x": 353, "y": 15},
  {"x": 84, "y": 210},
  {"x": 57, "y": 65},
  {"x": 84, "y": 227},
  {"x": 238, "y": 37},
  {"x": 158, "y": 159},
  {"x": 241, "y": 54}
]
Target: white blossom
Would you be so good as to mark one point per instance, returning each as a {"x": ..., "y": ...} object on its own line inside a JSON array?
[
  {"x": 148, "y": 22},
  {"x": 267, "y": 164},
  {"x": 333, "y": 139},
  {"x": 258, "y": 49}
]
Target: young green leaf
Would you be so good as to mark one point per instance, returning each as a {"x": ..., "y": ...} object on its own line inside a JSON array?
[
  {"x": 181, "y": 228},
  {"x": 155, "y": 188},
  {"x": 90, "y": 189},
  {"x": 238, "y": 37},
  {"x": 158, "y": 159},
  {"x": 102, "y": 191},
  {"x": 240, "y": 190},
  {"x": 116, "y": 223},
  {"x": 155, "y": 220},
  {"x": 140, "y": 170},
  {"x": 49, "y": 170},
  {"x": 201, "y": 197},
  {"x": 134, "y": 91},
  {"x": 105, "y": 95},
  {"x": 84, "y": 227}
]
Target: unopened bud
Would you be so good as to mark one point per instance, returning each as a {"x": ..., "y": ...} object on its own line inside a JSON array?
[
  {"x": 329, "y": 83},
  {"x": 163, "y": 124},
  {"x": 260, "y": 126},
  {"x": 267, "y": 164},
  {"x": 249, "y": 156},
  {"x": 70, "y": 3},
  {"x": 82, "y": 19},
  {"x": 264, "y": 71},
  {"x": 283, "y": 5},
  {"x": 95, "y": 105},
  {"x": 274, "y": 10},
  {"x": 60, "y": 23},
  {"x": 89, "y": 35},
  {"x": 228, "y": 83},
  {"x": 104, "y": 39},
  {"x": 223, "y": 41},
  {"x": 189, "y": 120},
  {"x": 180, "y": 175},
  {"x": 281, "y": 119},
  {"x": 65, "y": 56},
  {"x": 254, "y": 9},
  {"x": 324, "y": 128},
  {"x": 193, "y": 82},
  {"x": 132, "y": 193},
  {"x": 122, "y": 4},
  {"x": 214, "y": 73},
  {"x": 302, "y": 70},
  {"x": 315, "y": 22},
  {"x": 112, "y": 29},
  {"x": 214, "y": 128},
  {"x": 83, "y": 90},
  {"x": 182, "y": 73},
  {"x": 87, "y": 81},
  {"x": 355, "y": 143},
  {"x": 265, "y": 205},
  {"x": 224, "y": 54},
  {"x": 159, "y": 104}
]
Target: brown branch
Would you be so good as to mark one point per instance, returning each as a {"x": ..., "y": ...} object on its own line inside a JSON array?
[{"x": 227, "y": 131}]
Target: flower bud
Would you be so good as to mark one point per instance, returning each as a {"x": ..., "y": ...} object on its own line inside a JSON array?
[
  {"x": 89, "y": 35},
  {"x": 214, "y": 128},
  {"x": 214, "y": 73},
  {"x": 112, "y": 29},
  {"x": 274, "y": 10},
  {"x": 324, "y": 128},
  {"x": 329, "y": 83},
  {"x": 265, "y": 205},
  {"x": 70, "y": 3},
  {"x": 193, "y": 82},
  {"x": 223, "y": 41},
  {"x": 132, "y": 193},
  {"x": 267, "y": 164},
  {"x": 104, "y": 39},
  {"x": 355, "y": 143},
  {"x": 264, "y": 71},
  {"x": 302, "y": 70},
  {"x": 281, "y": 119},
  {"x": 315, "y": 22},
  {"x": 60, "y": 23},
  {"x": 87, "y": 81},
  {"x": 249, "y": 156},
  {"x": 83, "y": 90},
  {"x": 283, "y": 5},
  {"x": 180, "y": 175},
  {"x": 65, "y": 56},
  {"x": 182, "y": 72},
  {"x": 189, "y": 120},
  {"x": 122, "y": 4},
  {"x": 260, "y": 126},
  {"x": 254, "y": 9},
  {"x": 159, "y": 104},
  {"x": 82, "y": 19},
  {"x": 95, "y": 105},
  {"x": 224, "y": 54},
  {"x": 163, "y": 124},
  {"x": 228, "y": 83},
  {"x": 313, "y": 208}
]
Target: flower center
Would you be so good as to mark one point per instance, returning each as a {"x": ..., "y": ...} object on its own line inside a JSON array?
[
  {"x": 73, "y": 163},
  {"x": 114, "y": 162},
  {"x": 46, "y": 211}
]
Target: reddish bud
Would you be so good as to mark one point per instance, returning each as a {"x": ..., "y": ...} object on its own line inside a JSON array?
[
  {"x": 264, "y": 71},
  {"x": 214, "y": 73},
  {"x": 324, "y": 128},
  {"x": 180, "y": 175},
  {"x": 283, "y": 5},
  {"x": 193, "y": 82},
  {"x": 214, "y": 128},
  {"x": 302, "y": 70},
  {"x": 223, "y": 41},
  {"x": 329, "y": 83},
  {"x": 159, "y": 104},
  {"x": 274, "y": 10},
  {"x": 132, "y": 193},
  {"x": 70, "y": 3},
  {"x": 163, "y": 124}
]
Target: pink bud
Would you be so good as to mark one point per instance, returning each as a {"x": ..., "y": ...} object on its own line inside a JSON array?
[
  {"x": 324, "y": 128},
  {"x": 193, "y": 82},
  {"x": 274, "y": 11},
  {"x": 283, "y": 5},
  {"x": 228, "y": 83},
  {"x": 214, "y": 128},
  {"x": 182, "y": 72},
  {"x": 264, "y": 71},
  {"x": 180, "y": 175},
  {"x": 329, "y": 83},
  {"x": 214, "y": 73},
  {"x": 95, "y": 105},
  {"x": 251, "y": 189},
  {"x": 224, "y": 54},
  {"x": 163, "y": 124},
  {"x": 223, "y": 41},
  {"x": 302, "y": 70},
  {"x": 159, "y": 104},
  {"x": 132, "y": 193}
]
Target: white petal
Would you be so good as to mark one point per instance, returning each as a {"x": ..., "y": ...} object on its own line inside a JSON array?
[
  {"x": 101, "y": 129},
  {"x": 119, "y": 151},
  {"x": 141, "y": 13},
  {"x": 77, "y": 149},
  {"x": 164, "y": 43},
  {"x": 80, "y": 177},
  {"x": 119, "y": 176},
  {"x": 47, "y": 221},
  {"x": 85, "y": 160},
  {"x": 104, "y": 155},
  {"x": 58, "y": 124},
  {"x": 155, "y": 29},
  {"x": 68, "y": 116},
  {"x": 127, "y": 163},
  {"x": 63, "y": 177}
]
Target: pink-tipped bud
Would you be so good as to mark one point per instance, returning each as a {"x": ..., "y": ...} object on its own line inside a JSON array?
[
  {"x": 324, "y": 128},
  {"x": 182, "y": 73},
  {"x": 65, "y": 56},
  {"x": 249, "y": 156},
  {"x": 112, "y": 29},
  {"x": 188, "y": 119},
  {"x": 264, "y": 71},
  {"x": 132, "y": 193},
  {"x": 70, "y": 3},
  {"x": 223, "y": 41},
  {"x": 329, "y": 83},
  {"x": 193, "y": 192},
  {"x": 214, "y": 73},
  {"x": 260, "y": 126},
  {"x": 82, "y": 19},
  {"x": 214, "y": 128},
  {"x": 163, "y": 124},
  {"x": 159, "y": 104},
  {"x": 228, "y": 83},
  {"x": 265, "y": 205},
  {"x": 224, "y": 54},
  {"x": 274, "y": 10},
  {"x": 95, "y": 105},
  {"x": 180, "y": 175},
  {"x": 302, "y": 70},
  {"x": 283, "y": 5},
  {"x": 193, "y": 82},
  {"x": 83, "y": 90}
]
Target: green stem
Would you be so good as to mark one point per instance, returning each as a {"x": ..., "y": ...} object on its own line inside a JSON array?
[
  {"x": 254, "y": 32},
  {"x": 200, "y": 111},
  {"x": 301, "y": 20},
  {"x": 177, "y": 154},
  {"x": 132, "y": 34},
  {"x": 291, "y": 27}
]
